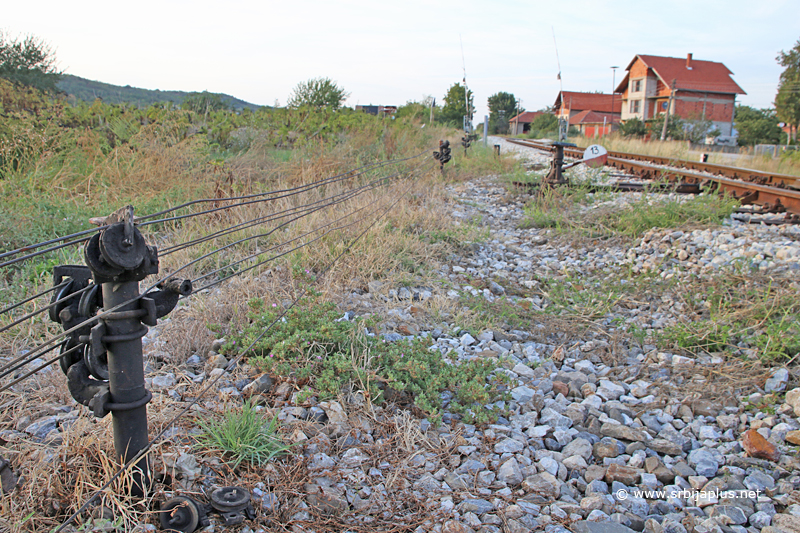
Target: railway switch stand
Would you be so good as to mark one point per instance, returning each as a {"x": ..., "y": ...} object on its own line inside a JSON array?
[
  {"x": 102, "y": 358},
  {"x": 555, "y": 175}
]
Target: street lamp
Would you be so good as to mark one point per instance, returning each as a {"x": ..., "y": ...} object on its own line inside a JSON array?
[{"x": 613, "y": 88}]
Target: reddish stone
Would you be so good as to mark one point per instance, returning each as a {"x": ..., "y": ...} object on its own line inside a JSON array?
[
  {"x": 559, "y": 387},
  {"x": 757, "y": 446},
  {"x": 627, "y": 475},
  {"x": 408, "y": 329}
]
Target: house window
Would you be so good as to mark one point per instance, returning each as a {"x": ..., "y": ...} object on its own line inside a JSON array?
[
  {"x": 635, "y": 106},
  {"x": 637, "y": 86}
]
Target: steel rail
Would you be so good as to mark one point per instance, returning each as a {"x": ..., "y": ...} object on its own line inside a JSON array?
[{"x": 783, "y": 194}]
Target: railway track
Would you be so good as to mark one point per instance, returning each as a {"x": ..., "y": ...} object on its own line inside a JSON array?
[{"x": 775, "y": 193}]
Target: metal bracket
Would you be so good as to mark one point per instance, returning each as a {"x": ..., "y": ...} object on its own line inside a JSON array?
[
  {"x": 165, "y": 299},
  {"x": 87, "y": 391}
]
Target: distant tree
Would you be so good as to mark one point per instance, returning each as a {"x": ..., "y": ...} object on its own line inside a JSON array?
[
  {"x": 544, "y": 124},
  {"x": 29, "y": 61},
  {"x": 633, "y": 127},
  {"x": 318, "y": 93},
  {"x": 455, "y": 106},
  {"x": 675, "y": 127},
  {"x": 787, "y": 101},
  {"x": 416, "y": 110},
  {"x": 756, "y": 126},
  {"x": 502, "y": 106}
]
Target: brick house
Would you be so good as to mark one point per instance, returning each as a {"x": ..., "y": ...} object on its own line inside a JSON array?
[
  {"x": 593, "y": 114},
  {"x": 703, "y": 90}
]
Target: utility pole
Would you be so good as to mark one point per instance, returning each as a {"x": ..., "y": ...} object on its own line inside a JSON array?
[
  {"x": 613, "y": 89},
  {"x": 666, "y": 116}
]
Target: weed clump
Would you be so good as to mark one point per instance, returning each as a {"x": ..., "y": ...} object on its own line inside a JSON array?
[
  {"x": 318, "y": 349},
  {"x": 246, "y": 435}
]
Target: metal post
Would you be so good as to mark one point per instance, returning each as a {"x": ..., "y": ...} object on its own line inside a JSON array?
[
  {"x": 126, "y": 375},
  {"x": 485, "y": 130},
  {"x": 119, "y": 258},
  {"x": 103, "y": 358}
]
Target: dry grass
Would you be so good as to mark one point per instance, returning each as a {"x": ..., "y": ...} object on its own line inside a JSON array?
[
  {"x": 680, "y": 150},
  {"x": 58, "y": 477}
]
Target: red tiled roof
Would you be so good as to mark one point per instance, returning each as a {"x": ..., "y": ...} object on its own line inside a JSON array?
[
  {"x": 589, "y": 101},
  {"x": 703, "y": 76},
  {"x": 527, "y": 116},
  {"x": 592, "y": 117}
]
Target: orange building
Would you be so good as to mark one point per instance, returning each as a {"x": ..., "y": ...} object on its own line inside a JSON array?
[{"x": 700, "y": 90}]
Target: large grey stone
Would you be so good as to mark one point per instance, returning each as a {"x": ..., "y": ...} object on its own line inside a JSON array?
[
  {"x": 579, "y": 446},
  {"x": 543, "y": 484},
  {"x": 728, "y": 515},
  {"x": 522, "y": 394},
  {"x": 476, "y": 506},
  {"x": 335, "y": 412},
  {"x": 508, "y": 445},
  {"x": 510, "y": 473},
  {"x": 777, "y": 381}
]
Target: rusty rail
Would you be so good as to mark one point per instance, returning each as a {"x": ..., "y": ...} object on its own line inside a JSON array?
[{"x": 774, "y": 192}]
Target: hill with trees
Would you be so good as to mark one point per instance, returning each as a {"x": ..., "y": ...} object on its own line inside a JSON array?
[{"x": 89, "y": 90}]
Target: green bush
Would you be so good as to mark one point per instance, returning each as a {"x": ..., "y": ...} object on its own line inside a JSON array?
[{"x": 313, "y": 345}]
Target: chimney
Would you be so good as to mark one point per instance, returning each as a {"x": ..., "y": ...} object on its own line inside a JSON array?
[{"x": 689, "y": 61}]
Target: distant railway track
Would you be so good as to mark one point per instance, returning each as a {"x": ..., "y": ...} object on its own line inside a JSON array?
[{"x": 773, "y": 192}]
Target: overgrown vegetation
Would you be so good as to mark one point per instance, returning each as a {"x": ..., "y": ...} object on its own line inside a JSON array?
[
  {"x": 575, "y": 209},
  {"x": 326, "y": 355}
]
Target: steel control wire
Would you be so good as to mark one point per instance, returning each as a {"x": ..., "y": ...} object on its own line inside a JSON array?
[{"x": 214, "y": 380}]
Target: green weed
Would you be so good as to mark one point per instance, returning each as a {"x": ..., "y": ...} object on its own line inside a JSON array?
[{"x": 245, "y": 435}]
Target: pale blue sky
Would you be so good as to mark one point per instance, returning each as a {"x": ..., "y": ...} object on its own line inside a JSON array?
[{"x": 392, "y": 52}]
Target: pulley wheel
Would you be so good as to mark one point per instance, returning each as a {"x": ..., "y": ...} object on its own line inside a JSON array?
[
  {"x": 179, "y": 514},
  {"x": 66, "y": 361},
  {"x": 95, "y": 260},
  {"x": 65, "y": 291},
  {"x": 229, "y": 499},
  {"x": 117, "y": 253},
  {"x": 90, "y": 302},
  {"x": 97, "y": 364}
]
